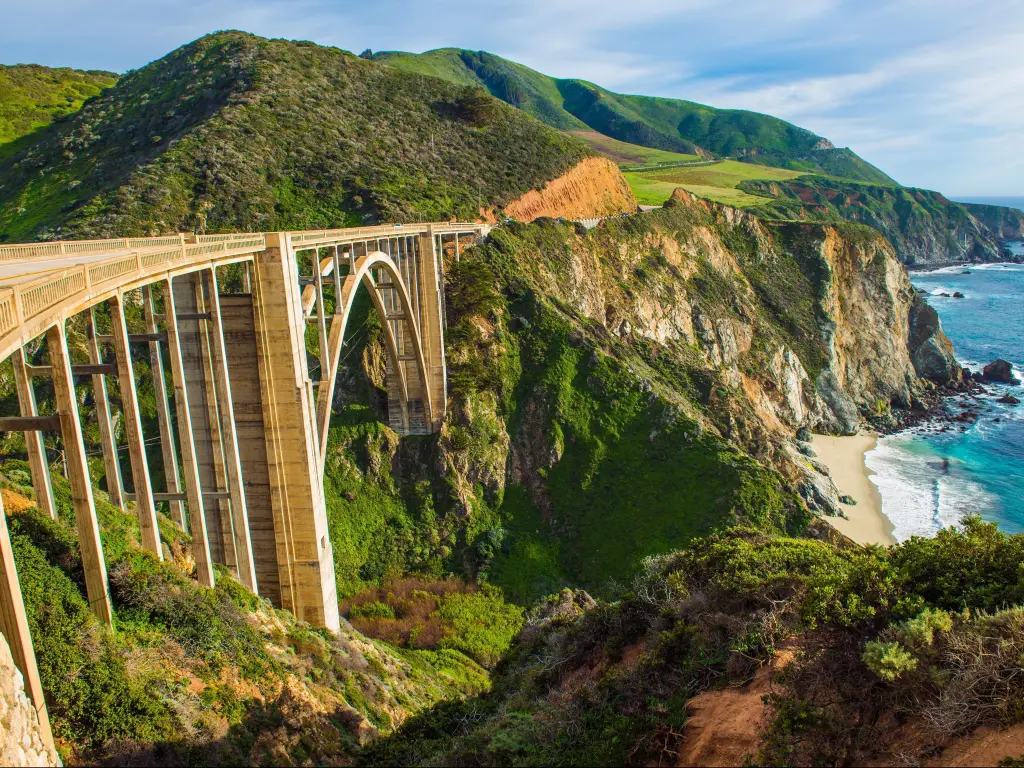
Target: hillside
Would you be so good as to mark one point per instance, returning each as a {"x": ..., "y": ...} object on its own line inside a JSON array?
[
  {"x": 667, "y": 124},
  {"x": 819, "y": 654},
  {"x": 32, "y": 97},
  {"x": 237, "y": 132},
  {"x": 923, "y": 226}
]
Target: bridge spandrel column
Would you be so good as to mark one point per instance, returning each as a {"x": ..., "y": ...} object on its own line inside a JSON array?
[
  {"x": 236, "y": 314},
  {"x": 429, "y": 288},
  {"x": 304, "y": 554},
  {"x": 199, "y": 391}
]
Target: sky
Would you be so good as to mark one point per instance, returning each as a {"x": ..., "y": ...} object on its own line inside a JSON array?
[{"x": 928, "y": 90}]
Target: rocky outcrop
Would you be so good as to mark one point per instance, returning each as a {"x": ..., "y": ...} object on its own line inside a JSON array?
[
  {"x": 931, "y": 351},
  {"x": 592, "y": 189},
  {"x": 1000, "y": 372},
  {"x": 20, "y": 740}
]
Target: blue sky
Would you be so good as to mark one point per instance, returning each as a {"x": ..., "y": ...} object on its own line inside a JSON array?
[{"x": 928, "y": 90}]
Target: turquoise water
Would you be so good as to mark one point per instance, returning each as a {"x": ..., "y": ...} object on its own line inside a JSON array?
[{"x": 930, "y": 479}]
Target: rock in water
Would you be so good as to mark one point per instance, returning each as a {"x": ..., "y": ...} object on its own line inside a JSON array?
[
  {"x": 1008, "y": 400},
  {"x": 931, "y": 352},
  {"x": 958, "y": 295},
  {"x": 1001, "y": 372}
]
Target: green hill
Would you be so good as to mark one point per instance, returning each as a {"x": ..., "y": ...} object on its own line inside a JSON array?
[
  {"x": 673, "y": 125},
  {"x": 32, "y": 97},
  {"x": 238, "y": 132}
]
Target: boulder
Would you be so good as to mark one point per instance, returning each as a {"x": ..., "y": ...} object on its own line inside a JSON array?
[
  {"x": 958, "y": 295},
  {"x": 848, "y": 500},
  {"x": 803, "y": 435},
  {"x": 1000, "y": 372},
  {"x": 1008, "y": 400}
]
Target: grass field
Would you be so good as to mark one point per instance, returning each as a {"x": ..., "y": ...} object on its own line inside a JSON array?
[
  {"x": 624, "y": 153},
  {"x": 716, "y": 182}
]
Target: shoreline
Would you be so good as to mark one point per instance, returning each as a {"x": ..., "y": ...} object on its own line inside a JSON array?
[{"x": 844, "y": 457}]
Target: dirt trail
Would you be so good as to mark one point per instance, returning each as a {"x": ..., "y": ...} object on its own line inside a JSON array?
[{"x": 722, "y": 726}]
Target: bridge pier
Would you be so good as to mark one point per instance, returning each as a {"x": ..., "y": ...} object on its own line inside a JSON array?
[
  {"x": 35, "y": 446},
  {"x": 304, "y": 554}
]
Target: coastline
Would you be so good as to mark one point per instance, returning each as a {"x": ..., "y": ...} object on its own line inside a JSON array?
[{"x": 844, "y": 457}]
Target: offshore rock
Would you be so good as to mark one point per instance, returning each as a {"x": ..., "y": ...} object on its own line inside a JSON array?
[
  {"x": 1000, "y": 372},
  {"x": 931, "y": 351}
]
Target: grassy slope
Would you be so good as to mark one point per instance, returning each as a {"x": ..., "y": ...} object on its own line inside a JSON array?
[
  {"x": 666, "y": 124},
  {"x": 237, "y": 132},
  {"x": 718, "y": 182},
  {"x": 627, "y": 154},
  {"x": 32, "y": 97},
  {"x": 192, "y": 674},
  {"x": 903, "y": 650}
]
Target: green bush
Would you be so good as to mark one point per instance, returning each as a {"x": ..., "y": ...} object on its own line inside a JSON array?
[{"x": 888, "y": 660}]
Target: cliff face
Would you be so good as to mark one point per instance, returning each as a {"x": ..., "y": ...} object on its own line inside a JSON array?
[
  {"x": 20, "y": 741},
  {"x": 594, "y": 188},
  {"x": 1007, "y": 223},
  {"x": 923, "y": 226}
]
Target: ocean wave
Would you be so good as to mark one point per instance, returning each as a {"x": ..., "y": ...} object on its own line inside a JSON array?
[
  {"x": 922, "y": 491},
  {"x": 937, "y": 292}
]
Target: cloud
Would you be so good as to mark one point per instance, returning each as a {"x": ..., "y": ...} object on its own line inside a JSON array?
[{"x": 927, "y": 89}]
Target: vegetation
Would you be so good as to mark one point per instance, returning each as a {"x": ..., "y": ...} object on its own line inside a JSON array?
[
  {"x": 195, "y": 674},
  {"x": 670, "y": 125},
  {"x": 32, "y": 97},
  {"x": 234, "y": 132},
  {"x": 626, "y": 154},
  {"x": 922, "y": 225},
  {"x": 718, "y": 182},
  {"x": 606, "y": 683}
]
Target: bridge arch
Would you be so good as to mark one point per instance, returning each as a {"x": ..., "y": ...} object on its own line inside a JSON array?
[{"x": 363, "y": 274}]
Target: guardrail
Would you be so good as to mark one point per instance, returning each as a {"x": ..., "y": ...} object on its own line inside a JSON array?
[
  {"x": 134, "y": 257},
  {"x": 24, "y": 302}
]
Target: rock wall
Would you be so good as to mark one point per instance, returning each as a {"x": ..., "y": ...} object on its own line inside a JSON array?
[
  {"x": 20, "y": 741},
  {"x": 593, "y": 188}
]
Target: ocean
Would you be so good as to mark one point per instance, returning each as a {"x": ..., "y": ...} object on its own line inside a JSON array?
[{"x": 929, "y": 479}]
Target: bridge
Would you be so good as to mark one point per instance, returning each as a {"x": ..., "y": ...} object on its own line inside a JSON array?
[{"x": 245, "y": 443}]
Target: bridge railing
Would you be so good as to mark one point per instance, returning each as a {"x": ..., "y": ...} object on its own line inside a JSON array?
[
  {"x": 58, "y": 248},
  {"x": 25, "y": 301}
]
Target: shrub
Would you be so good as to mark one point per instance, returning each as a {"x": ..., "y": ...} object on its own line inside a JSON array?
[{"x": 888, "y": 660}]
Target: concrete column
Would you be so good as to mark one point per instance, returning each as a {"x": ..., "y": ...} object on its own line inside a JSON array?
[
  {"x": 247, "y": 401},
  {"x": 163, "y": 412},
  {"x": 111, "y": 462},
  {"x": 34, "y": 443},
  {"x": 89, "y": 543},
  {"x": 14, "y": 625},
  {"x": 189, "y": 462},
  {"x": 144, "y": 505},
  {"x": 321, "y": 319},
  {"x": 246, "y": 570},
  {"x": 429, "y": 290},
  {"x": 202, "y": 406},
  {"x": 305, "y": 557}
]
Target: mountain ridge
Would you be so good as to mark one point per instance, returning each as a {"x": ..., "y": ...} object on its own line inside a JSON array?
[{"x": 658, "y": 122}]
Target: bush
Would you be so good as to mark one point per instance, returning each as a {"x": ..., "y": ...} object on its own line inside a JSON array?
[{"x": 888, "y": 660}]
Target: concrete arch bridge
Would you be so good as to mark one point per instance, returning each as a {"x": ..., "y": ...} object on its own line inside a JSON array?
[{"x": 244, "y": 444}]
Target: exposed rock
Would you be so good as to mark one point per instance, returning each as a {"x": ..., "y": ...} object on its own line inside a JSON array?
[
  {"x": 592, "y": 189},
  {"x": 803, "y": 434},
  {"x": 958, "y": 295},
  {"x": 845, "y": 416},
  {"x": 20, "y": 740},
  {"x": 848, "y": 500},
  {"x": 1000, "y": 372},
  {"x": 931, "y": 351},
  {"x": 1008, "y": 399},
  {"x": 806, "y": 450}
]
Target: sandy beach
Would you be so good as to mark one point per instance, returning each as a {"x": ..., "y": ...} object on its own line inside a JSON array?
[{"x": 844, "y": 457}]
